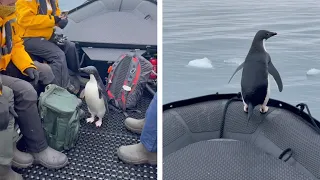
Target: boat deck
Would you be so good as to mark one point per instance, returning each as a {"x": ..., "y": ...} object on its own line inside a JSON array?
[{"x": 94, "y": 156}]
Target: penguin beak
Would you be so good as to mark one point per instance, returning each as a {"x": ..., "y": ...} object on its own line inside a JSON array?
[{"x": 273, "y": 33}]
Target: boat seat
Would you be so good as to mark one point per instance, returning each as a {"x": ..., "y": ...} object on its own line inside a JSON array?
[
  {"x": 274, "y": 132},
  {"x": 225, "y": 159}
]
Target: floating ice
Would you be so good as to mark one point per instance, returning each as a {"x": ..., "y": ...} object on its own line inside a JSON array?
[
  {"x": 313, "y": 71},
  {"x": 236, "y": 61},
  {"x": 201, "y": 63}
]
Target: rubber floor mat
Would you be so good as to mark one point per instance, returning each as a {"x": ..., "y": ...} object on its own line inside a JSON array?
[{"x": 94, "y": 156}]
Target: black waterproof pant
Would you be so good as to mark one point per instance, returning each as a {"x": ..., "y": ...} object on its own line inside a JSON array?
[
  {"x": 58, "y": 58},
  {"x": 6, "y": 133},
  {"x": 25, "y": 103}
]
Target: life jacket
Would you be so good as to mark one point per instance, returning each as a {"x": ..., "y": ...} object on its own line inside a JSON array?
[
  {"x": 43, "y": 7},
  {"x": 6, "y": 32},
  {"x": 6, "y": 44}
]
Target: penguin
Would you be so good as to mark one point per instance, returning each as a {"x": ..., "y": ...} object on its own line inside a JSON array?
[
  {"x": 255, "y": 83},
  {"x": 93, "y": 93}
]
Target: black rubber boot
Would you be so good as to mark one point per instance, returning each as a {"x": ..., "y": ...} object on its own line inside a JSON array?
[{"x": 6, "y": 173}]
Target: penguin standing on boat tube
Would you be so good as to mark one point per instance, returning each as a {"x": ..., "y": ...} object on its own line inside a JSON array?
[
  {"x": 94, "y": 96},
  {"x": 255, "y": 84}
]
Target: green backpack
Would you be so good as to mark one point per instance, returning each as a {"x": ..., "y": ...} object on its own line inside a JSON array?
[{"x": 61, "y": 114}]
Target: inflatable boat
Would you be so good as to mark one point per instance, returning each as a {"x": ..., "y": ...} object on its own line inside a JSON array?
[
  {"x": 210, "y": 138},
  {"x": 103, "y": 30}
]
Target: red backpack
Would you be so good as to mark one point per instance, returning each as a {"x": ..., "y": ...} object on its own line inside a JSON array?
[{"x": 127, "y": 79}]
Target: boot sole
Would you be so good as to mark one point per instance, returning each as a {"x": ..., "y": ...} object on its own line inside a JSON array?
[
  {"x": 37, "y": 162},
  {"x": 19, "y": 165},
  {"x": 138, "y": 131},
  {"x": 144, "y": 161}
]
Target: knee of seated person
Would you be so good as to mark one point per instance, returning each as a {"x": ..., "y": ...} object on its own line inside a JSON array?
[
  {"x": 70, "y": 44},
  {"x": 60, "y": 55},
  {"x": 46, "y": 74},
  {"x": 43, "y": 67},
  {"x": 7, "y": 93},
  {"x": 56, "y": 56},
  {"x": 28, "y": 93}
]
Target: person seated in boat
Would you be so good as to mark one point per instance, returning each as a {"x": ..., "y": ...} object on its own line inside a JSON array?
[
  {"x": 38, "y": 20},
  {"x": 25, "y": 99},
  {"x": 146, "y": 150}
]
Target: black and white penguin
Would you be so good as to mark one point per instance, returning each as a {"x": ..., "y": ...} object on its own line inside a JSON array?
[
  {"x": 255, "y": 84},
  {"x": 94, "y": 96}
]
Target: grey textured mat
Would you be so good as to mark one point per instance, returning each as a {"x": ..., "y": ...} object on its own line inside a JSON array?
[{"x": 226, "y": 160}]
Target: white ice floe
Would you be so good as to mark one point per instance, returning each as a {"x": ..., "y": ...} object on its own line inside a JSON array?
[
  {"x": 201, "y": 63},
  {"x": 313, "y": 72}
]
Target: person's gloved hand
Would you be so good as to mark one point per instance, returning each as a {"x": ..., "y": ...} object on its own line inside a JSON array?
[
  {"x": 56, "y": 19},
  {"x": 61, "y": 22},
  {"x": 33, "y": 74}
]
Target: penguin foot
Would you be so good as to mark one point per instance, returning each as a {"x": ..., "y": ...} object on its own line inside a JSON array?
[
  {"x": 90, "y": 120},
  {"x": 99, "y": 123},
  {"x": 264, "y": 109},
  {"x": 245, "y": 108}
]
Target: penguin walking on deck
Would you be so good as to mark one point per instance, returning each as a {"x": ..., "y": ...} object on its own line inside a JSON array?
[
  {"x": 255, "y": 84},
  {"x": 93, "y": 93}
]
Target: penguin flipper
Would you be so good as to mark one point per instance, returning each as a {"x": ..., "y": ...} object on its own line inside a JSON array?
[
  {"x": 100, "y": 92},
  {"x": 238, "y": 68},
  {"x": 274, "y": 72},
  {"x": 82, "y": 94}
]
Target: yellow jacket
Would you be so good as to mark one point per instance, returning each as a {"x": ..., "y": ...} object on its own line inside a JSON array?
[
  {"x": 31, "y": 22},
  {"x": 18, "y": 55}
]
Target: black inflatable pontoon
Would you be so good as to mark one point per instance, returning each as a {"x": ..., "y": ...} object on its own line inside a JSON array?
[
  {"x": 102, "y": 32},
  {"x": 209, "y": 138}
]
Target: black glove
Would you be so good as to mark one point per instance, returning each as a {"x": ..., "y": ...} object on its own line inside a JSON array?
[
  {"x": 33, "y": 74},
  {"x": 62, "y": 23},
  {"x": 56, "y": 19}
]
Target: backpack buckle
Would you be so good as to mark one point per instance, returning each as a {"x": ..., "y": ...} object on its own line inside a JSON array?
[
  {"x": 4, "y": 51},
  {"x": 133, "y": 70}
]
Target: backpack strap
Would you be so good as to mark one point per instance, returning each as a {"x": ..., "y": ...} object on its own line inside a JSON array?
[
  {"x": 43, "y": 7},
  {"x": 7, "y": 48},
  {"x": 131, "y": 79},
  {"x": 111, "y": 76}
]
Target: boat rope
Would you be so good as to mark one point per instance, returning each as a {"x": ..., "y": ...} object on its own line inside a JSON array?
[
  {"x": 302, "y": 106},
  {"x": 237, "y": 98}
]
